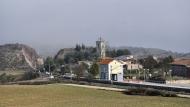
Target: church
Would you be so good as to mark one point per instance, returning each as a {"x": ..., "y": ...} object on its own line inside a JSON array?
[{"x": 109, "y": 68}]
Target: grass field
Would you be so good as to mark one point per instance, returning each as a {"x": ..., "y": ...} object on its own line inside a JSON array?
[
  {"x": 16, "y": 72},
  {"x": 58, "y": 95}
]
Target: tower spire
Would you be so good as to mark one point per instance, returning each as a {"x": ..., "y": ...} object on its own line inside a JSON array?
[{"x": 101, "y": 47}]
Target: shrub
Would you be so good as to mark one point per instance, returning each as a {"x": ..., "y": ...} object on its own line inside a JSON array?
[
  {"x": 29, "y": 75},
  {"x": 168, "y": 94},
  {"x": 135, "y": 91},
  {"x": 149, "y": 92},
  {"x": 35, "y": 82},
  {"x": 4, "y": 78},
  {"x": 153, "y": 92}
]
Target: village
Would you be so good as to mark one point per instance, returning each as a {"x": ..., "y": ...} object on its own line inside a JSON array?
[
  {"x": 122, "y": 68},
  {"x": 94, "y": 53}
]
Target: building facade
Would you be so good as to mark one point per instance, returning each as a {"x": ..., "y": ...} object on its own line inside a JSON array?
[
  {"x": 111, "y": 69},
  {"x": 181, "y": 67},
  {"x": 130, "y": 62}
]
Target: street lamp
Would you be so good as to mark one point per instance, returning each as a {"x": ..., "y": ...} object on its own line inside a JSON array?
[{"x": 170, "y": 71}]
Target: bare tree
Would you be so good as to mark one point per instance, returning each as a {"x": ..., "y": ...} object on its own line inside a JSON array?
[{"x": 79, "y": 71}]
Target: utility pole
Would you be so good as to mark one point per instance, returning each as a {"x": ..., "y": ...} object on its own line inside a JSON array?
[
  {"x": 70, "y": 71},
  {"x": 144, "y": 74},
  {"x": 111, "y": 76},
  {"x": 131, "y": 71},
  {"x": 49, "y": 67},
  {"x": 170, "y": 76},
  {"x": 139, "y": 71}
]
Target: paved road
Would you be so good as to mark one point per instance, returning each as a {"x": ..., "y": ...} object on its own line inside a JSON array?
[
  {"x": 185, "y": 86},
  {"x": 96, "y": 87}
]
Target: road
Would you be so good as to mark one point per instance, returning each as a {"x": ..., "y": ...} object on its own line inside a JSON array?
[
  {"x": 97, "y": 87},
  {"x": 186, "y": 86}
]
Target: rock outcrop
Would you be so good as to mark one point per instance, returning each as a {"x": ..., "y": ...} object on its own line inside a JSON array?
[{"x": 18, "y": 56}]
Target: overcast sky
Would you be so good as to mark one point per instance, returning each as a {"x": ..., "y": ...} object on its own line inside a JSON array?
[{"x": 42, "y": 24}]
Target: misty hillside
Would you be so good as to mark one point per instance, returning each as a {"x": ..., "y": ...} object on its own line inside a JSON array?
[
  {"x": 143, "y": 52},
  {"x": 136, "y": 51}
]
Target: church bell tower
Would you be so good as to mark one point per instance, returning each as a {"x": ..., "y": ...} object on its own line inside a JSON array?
[{"x": 101, "y": 47}]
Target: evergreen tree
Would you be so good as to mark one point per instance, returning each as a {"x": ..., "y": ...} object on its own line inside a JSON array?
[
  {"x": 94, "y": 70},
  {"x": 49, "y": 64},
  {"x": 83, "y": 47}
]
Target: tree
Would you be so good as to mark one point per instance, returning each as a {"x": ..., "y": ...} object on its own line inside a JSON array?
[
  {"x": 70, "y": 58},
  {"x": 78, "y": 47},
  {"x": 94, "y": 70},
  {"x": 59, "y": 61},
  {"x": 83, "y": 47},
  {"x": 149, "y": 63},
  {"x": 65, "y": 69},
  {"x": 165, "y": 63},
  {"x": 6, "y": 78},
  {"x": 85, "y": 66},
  {"x": 49, "y": 64},
  {"x": 30, "y": 75},
  {"x": 111, "y": 53},
  {"x": 79, "y": 71},
  {"x": 119, "y": 52}
]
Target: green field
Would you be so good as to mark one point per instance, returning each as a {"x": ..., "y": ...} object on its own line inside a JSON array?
[{"x": 58, "y": 95}]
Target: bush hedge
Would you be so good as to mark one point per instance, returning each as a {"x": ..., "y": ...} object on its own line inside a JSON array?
[{"x": 149, "y": 92}]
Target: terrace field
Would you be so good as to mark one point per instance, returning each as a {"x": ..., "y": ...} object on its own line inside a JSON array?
[{"x": 58, "y": 95}]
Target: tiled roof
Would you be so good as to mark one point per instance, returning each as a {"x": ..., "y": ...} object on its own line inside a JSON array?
[
  {"x": 105, "y": 60},
  {"x": 185, "y": 62}
]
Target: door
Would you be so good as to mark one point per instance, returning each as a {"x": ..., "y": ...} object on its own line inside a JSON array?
[{"x": 114, "y": 77}]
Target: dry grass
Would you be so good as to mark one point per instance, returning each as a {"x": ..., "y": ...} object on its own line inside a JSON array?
[
  {"x": 57, "y": 95},
  {"x": 16, "y": 72}
]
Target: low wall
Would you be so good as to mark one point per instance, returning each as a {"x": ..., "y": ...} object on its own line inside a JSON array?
[{"x": 178, "y": 82}]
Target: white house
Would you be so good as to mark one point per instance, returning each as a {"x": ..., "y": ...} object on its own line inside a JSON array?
[{"x": 111, "y": 69}]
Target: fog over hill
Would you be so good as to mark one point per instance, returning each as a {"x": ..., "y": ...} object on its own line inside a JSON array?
[
  {"x": 136, "y": 51},
  {"x": 144, "y": 52}
]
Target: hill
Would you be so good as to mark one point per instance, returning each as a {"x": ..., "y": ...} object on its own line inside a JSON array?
[
  {"x": 144, "y": 52},
  {"x": 18, "y": 56},
  {"x": 136, "y": 51}
]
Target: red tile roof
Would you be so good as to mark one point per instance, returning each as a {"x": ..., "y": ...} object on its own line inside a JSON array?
[
  {"x": 185, "y": 62},
  {"x": 105, "y": 60}
]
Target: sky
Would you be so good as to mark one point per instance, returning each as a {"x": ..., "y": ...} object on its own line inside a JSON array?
[{"x": 53, "y": 24}]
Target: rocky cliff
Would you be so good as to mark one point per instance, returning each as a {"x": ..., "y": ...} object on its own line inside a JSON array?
[{"x": 18, "y": 56}]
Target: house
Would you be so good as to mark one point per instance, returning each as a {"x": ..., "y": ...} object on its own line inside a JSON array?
[
  {"x": 181, "y": 67},
  {"x": 111, "y": 69},
  {"x": 89, "y": 63},
  {"x": 130, "y": 62},
  {"x": 133, "y": 66}
]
